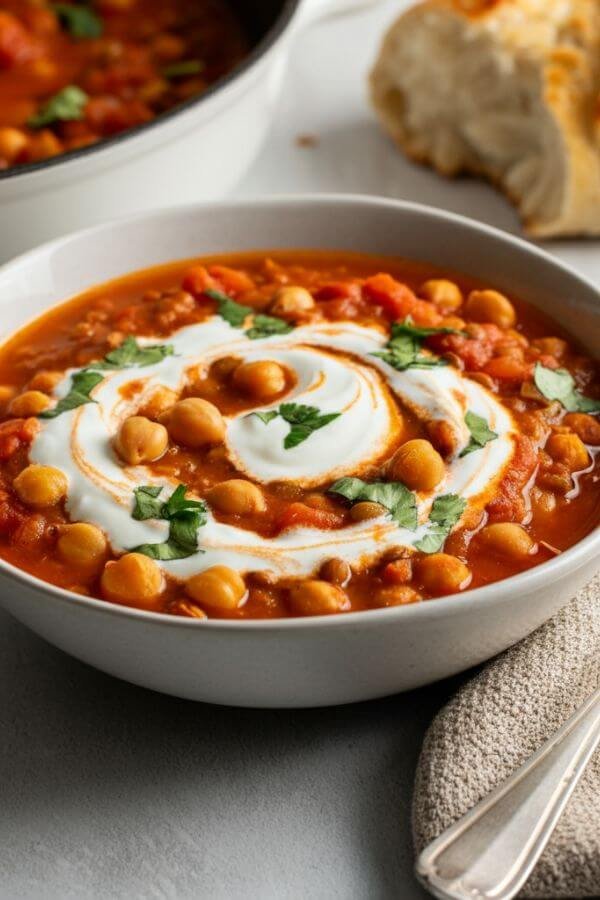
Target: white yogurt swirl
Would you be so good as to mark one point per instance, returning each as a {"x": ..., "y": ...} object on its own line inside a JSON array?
[{"x": 335, "y": 373}]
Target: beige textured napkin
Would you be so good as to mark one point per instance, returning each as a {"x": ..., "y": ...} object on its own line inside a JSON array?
[{"x": 497, "y": 720}]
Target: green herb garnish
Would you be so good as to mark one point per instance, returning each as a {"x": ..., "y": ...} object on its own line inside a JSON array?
[
  {"x": 267, "y": 416},
  {"x": 481, "y": 433},
  {"x": 393, "y": 495},
  {"x": 129, "y": 354},
  {"x": 185, "y": 518},
  {"x": 82, "y": 384},
  {"x": 65, "y": 106},
  {"x": 266, "y": 326},
  {"x": 304, "y": 420},
  {"x": 183, "y": 68},
  {"x": 559, "y": 384},
  {"x": 404, "y": 349},
  {"x": 79, "y": 21},
  {"x": 236, "y": 314},
  {"x": 445, "y": 513},
  {"x": 233, "y": 312}
]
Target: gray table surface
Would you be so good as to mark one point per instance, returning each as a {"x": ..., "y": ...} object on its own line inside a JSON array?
[{"x": 112, "y": 791}]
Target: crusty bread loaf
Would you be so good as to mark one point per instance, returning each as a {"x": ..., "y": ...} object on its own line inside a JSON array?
[{"x": 503, "y": 88}]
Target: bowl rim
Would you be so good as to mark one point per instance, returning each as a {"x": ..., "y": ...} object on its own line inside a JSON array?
[
  {"x": 258, "y": 51},
  {"x": 440, "y": 607}
]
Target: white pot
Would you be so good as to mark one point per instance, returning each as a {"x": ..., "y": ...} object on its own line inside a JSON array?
[
  {"x": 313, "y": 661},
  {"x": 196, "y": 152}
]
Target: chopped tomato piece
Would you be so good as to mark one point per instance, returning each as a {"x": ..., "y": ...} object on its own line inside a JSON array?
[
  {"x": 399, "y": 571},
  {"x": 395, "y": 299},
  {"x": 342, "y": 308},
  {"x": 300, "y": 515},
  {"x": 337, "y": 290},
  {"x": 197, "y": 280},
  {"x": 509, "y": 504},
  {"x": 505, "y": 368},
  {"x": 425, "y": 313},
  {"x": 232, "y": 281},
  {"x": 16, "y": 44},
  {"x": 474, "y": 353},
  {"x": 14, "y": 434},
  {"x": 10, "y": 516}
]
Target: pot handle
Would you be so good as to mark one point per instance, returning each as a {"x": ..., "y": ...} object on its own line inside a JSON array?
[{"x": 312, "y": 11}]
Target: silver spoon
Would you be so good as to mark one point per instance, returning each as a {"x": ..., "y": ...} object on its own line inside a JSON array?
[{"x": 491, "y": 851}]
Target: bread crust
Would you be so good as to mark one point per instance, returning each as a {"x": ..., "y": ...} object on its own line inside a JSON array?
[{"x": 505, "y": 89}]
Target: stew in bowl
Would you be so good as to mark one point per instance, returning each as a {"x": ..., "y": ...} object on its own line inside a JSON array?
[
  {"x": 293, "y": 433},
  {"x": 74, "y": 73}
]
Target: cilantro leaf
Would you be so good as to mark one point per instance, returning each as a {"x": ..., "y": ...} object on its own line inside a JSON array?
[
  {"x": 178, "y": 505},
  {"x": 185, "y": 517},
  {"x": 129, "y": 354},
  {"x": 233, "y": 312},
  {"x": 265, "y": 326},
  {"x": 403, "y": 350},
  {"x": 183, "y": 68},
  {"x": 82, "y": 384},
  {"x": 481, "y": 434},
  {"x": 559, "y": 384},
  {"x": 65, "y": 106},
  {"x": 418, "y": 331},
  {"x": 146, "y": 502},
  {"x": 304, "y": 421},
  {"x": 400, "y": 502},
  {"x": 267, "y": 416},
  {"x": 79, "y": 21},
  {"x": 445, "y": 513}
]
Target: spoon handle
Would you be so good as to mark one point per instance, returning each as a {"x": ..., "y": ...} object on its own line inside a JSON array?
[{"x": 491, "y": 851}]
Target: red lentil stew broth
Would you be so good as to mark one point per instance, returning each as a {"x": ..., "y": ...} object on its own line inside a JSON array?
[{"x": 293, "y": 433}]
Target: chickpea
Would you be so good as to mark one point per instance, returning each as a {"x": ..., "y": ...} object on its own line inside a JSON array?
[
  {"x": 260, "y": 380},
  {"x": 366, "y": 510},
  {"x": 160, "y": 402},
  {"x": 398, "y": 595},
  {"x": 141, "y": 441},
  {"x": 318, "y": 598},
  {"x": 418, "y": 465},
  {"x": 219, "y": 587},
  {"x": 445, "y": 294},
  {"x": 45, "y": 381},
  {"x": 506, "y": 539},
  {"x": 40, "y": 486},
  {"x": 441, "y": 573},
  {"x": 237, "y": 497},
  {"x": 336, "y": 570},
  {"x": 12, "y": 143},
  {"x": 29, "y": 403},
  {"x": 292, "y": 301},
  {"x": 133, "y": 579},
  {"x": 81, "y": 545},
  {"x": 568, "y": 449},
  {"x": 196, "y": 423},
  {"x": 491, "y": 306}
]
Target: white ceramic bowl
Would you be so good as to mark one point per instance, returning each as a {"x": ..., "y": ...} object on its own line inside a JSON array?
[
  {"x": 197, "y": 151},
  {"x": 312, "y": 661}
]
